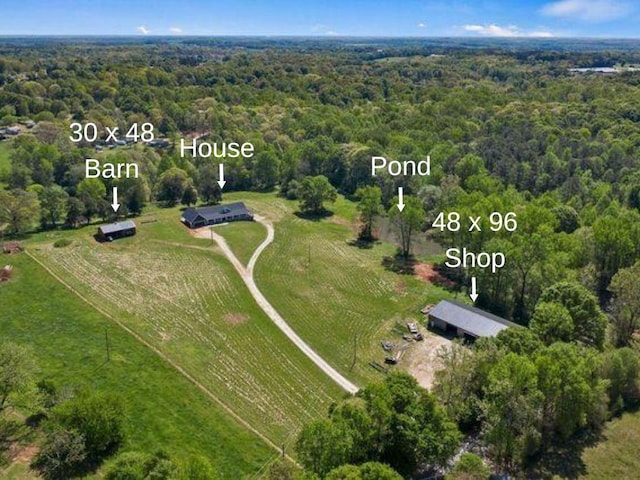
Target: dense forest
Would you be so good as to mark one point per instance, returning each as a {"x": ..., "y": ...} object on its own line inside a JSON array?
[{"x": 507, "y": 130}]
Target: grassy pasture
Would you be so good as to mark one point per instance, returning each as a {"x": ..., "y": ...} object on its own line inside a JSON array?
[
  {"x": 331, "y": 292},
  {"x": 243, "y": 238},
  {"x": 183, "y": 297},
  {"x": 164, "y": 410},
  {"x": 615, "y": 458}
]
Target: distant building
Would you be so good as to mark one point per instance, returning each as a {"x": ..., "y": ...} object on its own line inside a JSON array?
[
  {"x": 113, "y": 231},
  {"x": 466, "y": 321},
  {"x": 201, "y": 217}
]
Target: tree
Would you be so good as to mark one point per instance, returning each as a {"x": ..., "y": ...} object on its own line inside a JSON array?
[
  {"x": 322, "y": 446},
  {"x": 614, "y": 248},
  {"x": 75, "y": 209},
  {"x": 190, "y": 196},
  {"x": 625, "y": 304},
  {"x": 512, "y": 411},
  {"x": 17, "y": 370},
  {"x": 552, "y": 322},
  {"x": 92, "y": 192},
  {"x": 621, "y": 369},
  {"x": 143, "y": 466},
  {"x": 61, "y": 455},
  {"x": 469, "y": 467},
  {"x": 171, "y": 186},
  {"x": 520, "y": 340},
  {"x": 313, "y": 192},
  {"x": 196, "y": 468},
  {"x": 407, "y": 221},
  {"x": 573, "y": 396},
  {"x": 98, "y": 417},
  {"x": 19, "y": 209},
  {"x": 208, "y": 187},
  {"x": 370, "y": 206},
  {"x": 589, "y": 323},
  {"x": 366, "y": 471},
  {"x": 409, "y": 427},
  {"x": 264, "y": 172},
  {"x": 54, "y": 202},
  {"x": 284, "y": 470},
  {"x": 454, "y": 383},
  {"x": 135, "y": 194}
]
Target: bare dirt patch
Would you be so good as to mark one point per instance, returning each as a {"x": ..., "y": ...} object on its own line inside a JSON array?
[
  {"x": 235, "y": 318},
  {"x": 421, "y": 359},
  {"x": 22, "y": 454},
  {"x": 427, "y": 272},
  {"x": 353, "y": 226}
]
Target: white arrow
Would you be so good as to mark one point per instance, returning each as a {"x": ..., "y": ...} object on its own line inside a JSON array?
[
  {"x": 474, "y": 289},
  {"x": 400, "y": 198},
  {"x": 115, "y": 205},
  {"x": 221, "y": 182}
]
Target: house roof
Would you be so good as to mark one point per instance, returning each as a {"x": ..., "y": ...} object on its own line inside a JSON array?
[
  {"x": 215, "y": 211},
  {"x": 117, "y": 227},
  {"x": 470, "y": 319}
]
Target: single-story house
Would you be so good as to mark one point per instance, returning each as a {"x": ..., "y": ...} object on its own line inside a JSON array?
[
  {"x": 466, "y": 321},
  {"x": 216, "y": 214},
  {"x": 116, "y": 230}
]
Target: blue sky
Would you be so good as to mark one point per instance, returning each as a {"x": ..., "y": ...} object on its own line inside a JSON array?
[{"x": 483, "y": 18}]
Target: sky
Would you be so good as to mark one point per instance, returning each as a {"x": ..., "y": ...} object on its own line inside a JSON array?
[{"x": 383, "y": 18}]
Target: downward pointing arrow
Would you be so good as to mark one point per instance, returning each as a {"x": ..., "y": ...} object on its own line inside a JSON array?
[
  {"x": 115, "y": 205},
  {"x": 400, "y": 198},
  {"x": 221, "y": 182},
  {"x": 474, "y": 289}
]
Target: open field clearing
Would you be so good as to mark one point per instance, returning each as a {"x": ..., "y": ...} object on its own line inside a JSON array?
[
  {"x": 337, "y": 297},
  {"x": 180, "y": 295},
  {"x": 164, "y": 410},
  {"x": 615, "y": 458},
  {"x": 243, "y": 238}
]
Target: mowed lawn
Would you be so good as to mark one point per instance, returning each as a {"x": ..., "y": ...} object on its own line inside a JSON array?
[
  {"x": 164, "y": 410},
  {"x": 183, "y": 297},
  {"x": 337, "y": 297},
  {"x": 616, "y": 457},
  {"x": 243, "y": 238}
]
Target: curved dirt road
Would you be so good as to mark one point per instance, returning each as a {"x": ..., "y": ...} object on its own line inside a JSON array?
[{"x": 247, "y": 277}]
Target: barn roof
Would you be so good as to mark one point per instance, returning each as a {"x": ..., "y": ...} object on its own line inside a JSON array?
[
  {"x": 117, "y": 227},
  {"x": 215, "y": 211},
  {"x": 470, "y": 319}
]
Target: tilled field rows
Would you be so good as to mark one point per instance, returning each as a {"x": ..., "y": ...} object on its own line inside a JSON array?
[{"x": 185, "y": 301}]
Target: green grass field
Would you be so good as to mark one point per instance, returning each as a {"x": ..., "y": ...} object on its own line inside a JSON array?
[
  {"x": 243, "y": 238},
  {"x": 164, "y": 409},
  {"x": 331, "y": 292},
  {"x": 616, "y": 458},
  {"x": 5, "y": 166},
  {"x": 183, "y": 297}
]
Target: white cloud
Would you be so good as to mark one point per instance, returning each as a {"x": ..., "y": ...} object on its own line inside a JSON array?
[
  {"x": 422, "y": 25},
  {"x": 493, "y": 30},
  {"x": 541, "y": 34},
  {"x": 175, "y": 29},
  {"x": 588, "y": 10},
  {"x": 324, "y": 30},
  {"x": 143, "y": 30}
]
